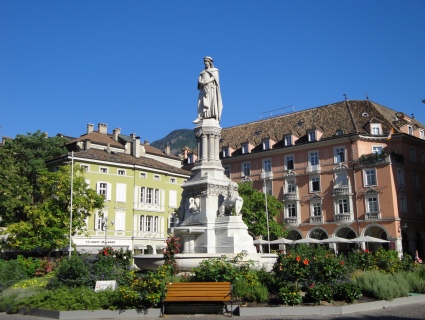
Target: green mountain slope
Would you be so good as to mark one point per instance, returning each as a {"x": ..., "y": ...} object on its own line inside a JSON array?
[{"x": 178, "y": 139}]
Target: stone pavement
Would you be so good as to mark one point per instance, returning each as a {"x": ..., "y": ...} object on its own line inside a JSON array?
[{"x": 410, "y": 311}]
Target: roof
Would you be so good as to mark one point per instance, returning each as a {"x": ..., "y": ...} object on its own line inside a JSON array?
[
  {"x": 120, "y": 158},
  {"x": 349, "y": 116}
]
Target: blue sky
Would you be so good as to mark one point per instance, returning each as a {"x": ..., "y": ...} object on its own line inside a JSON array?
[{"x": 135, "y": 64}]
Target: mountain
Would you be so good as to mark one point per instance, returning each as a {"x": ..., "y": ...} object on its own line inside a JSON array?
[{"x": 178, "y": 139}]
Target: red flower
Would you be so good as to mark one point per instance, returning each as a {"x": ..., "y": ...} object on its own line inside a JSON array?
[
  {"x": 305, "y": 262},
  {"x": 298, "y": 258},
  {"x": 341, "y": 262},
  {"x": 312, "y": 286}
]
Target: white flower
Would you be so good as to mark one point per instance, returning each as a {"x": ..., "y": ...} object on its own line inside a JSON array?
[
  {"x": 125, "y": 258},
  {"x": 114, "y": 256}
]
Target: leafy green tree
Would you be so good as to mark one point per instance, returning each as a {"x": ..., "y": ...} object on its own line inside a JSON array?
[
  {"x": 254, "y": 211},
  {"x": 47, "y": 222},
  {"x": 21, "y": 159}
]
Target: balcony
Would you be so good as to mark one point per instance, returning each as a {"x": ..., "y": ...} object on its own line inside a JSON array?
[
  {"x": 316, "y": 219},
  {"x": 290, "y": 196},
  {"x": 373, "y": 159},
  {"x": 313, "y": 169},
  {"x": 373, "y": 215},
  {"x": 291, "y": 221},
  {"x": 341, "y": 191},
  {"x": 266, "y": 175},
  {"x": 343, "y": 217}
]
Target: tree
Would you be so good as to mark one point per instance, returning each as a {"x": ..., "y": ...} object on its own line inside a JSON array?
[
  {"x": 254, "y": 211},
  {"x": 47, "y": 222},
  {"x": 21, "y": 159}
]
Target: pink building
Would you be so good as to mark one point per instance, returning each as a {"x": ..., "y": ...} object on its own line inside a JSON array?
[{"x": 347, "y": 169}]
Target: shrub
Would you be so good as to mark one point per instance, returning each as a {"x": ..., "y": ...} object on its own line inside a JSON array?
[
  {"x": 383, "y": 286},
  {"x": 246, "y": 291},
  {"x": 172, "y": 248},
  {"x": 10, "y": 298},
  {"x": 347, "y": 291},
  {"x": 320, "y": 292},
  {"x": 290, "y": 295},
  {"x": 11, "y": 272},
  {"x": 121, "y": 256}
]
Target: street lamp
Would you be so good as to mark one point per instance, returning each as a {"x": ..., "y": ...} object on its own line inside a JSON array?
[
  {"x": 70, "y": 209},
  {"x": 105, "y": 228},
  {"x": 263, "y": 174}
]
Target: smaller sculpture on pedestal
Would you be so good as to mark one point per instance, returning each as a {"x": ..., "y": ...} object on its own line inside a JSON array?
[{"x": 232, "y": 201}]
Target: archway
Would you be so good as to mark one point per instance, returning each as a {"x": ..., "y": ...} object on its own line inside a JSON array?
[
  {"x": 318, "y": 233},
  {"x": 419, "y": 245},
  {"x": 347, "y": 233},
  {"x": 405, "y": 243},
  {"x": 376, "y": 231},
  {"x": 294, "y": 235}
]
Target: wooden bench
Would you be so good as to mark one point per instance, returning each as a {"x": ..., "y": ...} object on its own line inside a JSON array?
[{"x": 198, "y": 293}]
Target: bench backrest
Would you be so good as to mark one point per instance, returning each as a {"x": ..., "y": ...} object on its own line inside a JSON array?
[{"x": 198, "y": 291}]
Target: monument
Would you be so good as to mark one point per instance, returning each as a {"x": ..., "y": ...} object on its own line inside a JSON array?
[{"x": 210, "y": 221}]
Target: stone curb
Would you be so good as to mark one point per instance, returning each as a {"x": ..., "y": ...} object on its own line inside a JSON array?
[{"x": 238, "y": 311}]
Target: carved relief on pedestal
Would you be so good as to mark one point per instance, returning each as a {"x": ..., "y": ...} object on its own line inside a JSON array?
[{"x": 231, "y": 202}]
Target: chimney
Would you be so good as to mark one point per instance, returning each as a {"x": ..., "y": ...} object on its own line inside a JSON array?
[
  {"x": 116, "y": 133},
  {"x": 146, "y": 142},
  {"x": 167, "y": 149},
  {"x": 87, "y": 144},
  {"x": 184, "y": 152},
  {"x": 89, "y": 128},
  {"x": 136, "y": 146},
  {"x": 108, "y": 148},
  {"x": 102, "y": 128}
]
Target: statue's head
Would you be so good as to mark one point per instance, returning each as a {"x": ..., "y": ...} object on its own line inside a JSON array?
[{"x": 208, "y": 61}]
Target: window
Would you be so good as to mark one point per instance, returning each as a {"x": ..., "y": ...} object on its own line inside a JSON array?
[
  {"x": 267, "y": 165},
  {"x": 290, "y": 186},
  {"x": 288, "y": 140},
  {"x": 413, "y": 154},
  {"x": 142, "y": 194},
  {"x": 339, "y": 154},
  {"x": 292, "y": 212},
  {"x": 316, "y": 209},
  {"x": 104, "y": 189},
  {"x": 266, "y": 144},
  {"x": 173, "y": 180},
  {"x": 120, "y": 220},
  {"x": 268, "y": 187},
  {"x": 400, "y": 177},
  {"x": 416, "y": 182},
  {"x": 103, "y": 170},
  {"x": 156, "y": 197},
  {"x": 315, "y": 184},
  {"x": 225, "y": 152},
  {"x": 375, "y": 128},
  {"x": 245, "y": 148},
  {"x": 121, "y": 192},
  {"x": 148, "y": 224},
  {"x": 173, "y": 199},
  {"x": 190, "y": 158},
  {"x": 410, "y": 130},
  {"x": 343, "y": 206},
  {"x": 421, "y": 134},
  {"x": 372, "y": 204},
  {"x": 313, "y": 158},
  {"x": 403, "y": 203},
  {"x": 85, "y": 167},
  {"x": 143, "y": 175},
  {"x": 157, "y": 177},
  {"x": 98, "y": 220},
  {"x": 227, "y": 171},
  {"x": 289, "y": 162},
  {"x": 341, "y": 180},
  {"x": 246, "y": 171},
  {"x": 377, "y": 149},
  {"x": 418, "y": 205},
  {"x": 370, "y": 177},
  {"x": 149, "y": 195},
  {"x": 121, "y": 172},
  {"x": 311, "y": 135}
]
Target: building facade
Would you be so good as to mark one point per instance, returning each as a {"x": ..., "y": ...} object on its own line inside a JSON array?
[
  {"x": 141, "y": 186},
  {"x": 348, "y": 169}
]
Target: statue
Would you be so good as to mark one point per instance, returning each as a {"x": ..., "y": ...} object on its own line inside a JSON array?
[
  {"x": 209, "y": 100},
  {"x": 232, "y": 201}
]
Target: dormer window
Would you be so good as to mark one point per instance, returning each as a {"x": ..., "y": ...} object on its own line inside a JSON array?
[
  {"x": 245, "y": 148},
  {"x": 288, "y": 140},
  {"x": 339, "y": 132},
  {"x": 225, "y": 152},
  {"x": 266, "y": 144},
  {"x": 311, "y": 135},
  {"x": 190, "y": 158},
  {"x": 422, "y": 134},
  {"x": 375, "y": 128},
  {"x": 410, "y": 130}
]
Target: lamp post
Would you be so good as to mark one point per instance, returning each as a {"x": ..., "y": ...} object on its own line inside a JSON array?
[
  {"x": 105, "y": 228},
  {"x": 70, "y": 209},
  {"x": 267, "y": 210}
]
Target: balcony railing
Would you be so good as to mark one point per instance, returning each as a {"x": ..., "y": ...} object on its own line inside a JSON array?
[
  {"x": 373, "y": 215},
  {"x": 290, "y": 196},
  {"x": 316, "y": 219},
  {"x": 291, "y": 221},
  {"x": 341, "y": 191},
  {"x": 266, "y": 175},
  {"x": 343, "y": 217},
  {"x": 315, "y": 168}
]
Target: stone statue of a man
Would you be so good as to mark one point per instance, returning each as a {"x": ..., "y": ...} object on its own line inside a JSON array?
[{"x": 209, "y": 100}]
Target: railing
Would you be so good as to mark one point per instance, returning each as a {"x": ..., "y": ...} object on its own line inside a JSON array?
[
  {"x": 290, "y": 196},
  {"x": 373, "y": 215},
  {"x": 266, "y": 175},
  {"x": 341, "y": 191},
  {"x": 373, "y": 158},
  {"x": 316, "y": 219},
  {"x": 315, "y": 168},
  {"x": 343, "y": 217},
  {"x": 291, "y": 221}
]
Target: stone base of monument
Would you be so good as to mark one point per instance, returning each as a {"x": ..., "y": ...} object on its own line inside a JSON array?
[{"x": 186, "y": 262}]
